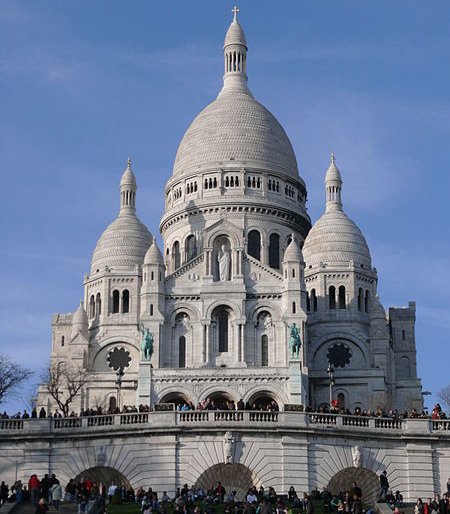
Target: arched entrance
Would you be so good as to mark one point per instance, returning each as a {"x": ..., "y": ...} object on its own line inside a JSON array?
[
  {"x": 365, "y": 478},
  {"x": 234, "y": 477},
  {"x": 222, "y": 400},
  {"x": 263, "y": 400},
  {"x": 176, "y": 398},
  {"x": 103, "y": 474}
]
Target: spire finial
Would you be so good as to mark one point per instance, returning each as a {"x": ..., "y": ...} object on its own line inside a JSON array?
[
  {"x": 333, "y": 186},
  {"x": 129, "y": 163},
  {"x": 235, "y": 11}
]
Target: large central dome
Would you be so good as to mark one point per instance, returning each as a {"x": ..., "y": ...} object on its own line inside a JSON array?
[{"x": 235, "y": 127}]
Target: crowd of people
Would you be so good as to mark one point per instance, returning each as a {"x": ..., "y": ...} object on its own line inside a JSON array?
[
  {"x": 437, "y": 505},
  {"x": 227, "y": 405},
  {"x": 93, "y": 497}
]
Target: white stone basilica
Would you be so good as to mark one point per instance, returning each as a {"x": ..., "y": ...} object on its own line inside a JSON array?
[{"x": 240, "y": 265}]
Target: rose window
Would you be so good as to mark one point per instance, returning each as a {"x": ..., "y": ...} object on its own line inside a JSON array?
[
  {"x": 339, "y": 355},
  {"x": 118, "y": 358}
]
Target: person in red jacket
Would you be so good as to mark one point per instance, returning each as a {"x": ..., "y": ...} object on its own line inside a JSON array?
[{"x": 34, "y": 487}]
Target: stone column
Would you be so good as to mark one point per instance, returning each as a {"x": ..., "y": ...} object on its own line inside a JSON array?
[
  {"x": 144, "y": 396},
  {"x": 241, "y": 342},
  {"x": 206, "y": 332}
]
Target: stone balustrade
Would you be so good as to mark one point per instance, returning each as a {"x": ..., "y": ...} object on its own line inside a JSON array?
[{"x": 223, "y": 419}]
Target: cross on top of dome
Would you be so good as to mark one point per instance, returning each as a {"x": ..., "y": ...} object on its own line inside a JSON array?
[{"x": 235, "y": 11}]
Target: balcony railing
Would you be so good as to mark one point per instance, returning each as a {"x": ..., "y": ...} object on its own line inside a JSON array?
[{"x": 223, "y": 419}]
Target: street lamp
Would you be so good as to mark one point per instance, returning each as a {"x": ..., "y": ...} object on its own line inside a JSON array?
[
  {"x": 119, "y": 374},
  {"x": 330, "y": 371}
]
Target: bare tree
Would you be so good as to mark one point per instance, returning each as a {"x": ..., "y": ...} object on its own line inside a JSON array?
[
  {"x": 12, "y": 375},
  {"x": 63, "y": 382},
  {"x": 98, "y": 401},
  {"x": 444, "y": 395}
]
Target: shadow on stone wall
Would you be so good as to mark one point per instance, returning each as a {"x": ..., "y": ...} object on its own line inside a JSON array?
[
  {"x": 103, "y": 474},
  {"x": 365, "y": 478},
  {"x": 234, "y": 477}
]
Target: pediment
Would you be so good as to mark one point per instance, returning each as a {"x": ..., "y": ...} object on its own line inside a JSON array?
[{"x": 223, "y": 226}]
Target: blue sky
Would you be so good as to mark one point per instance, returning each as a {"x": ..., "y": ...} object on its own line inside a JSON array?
[{"x": 84, "y": 85}]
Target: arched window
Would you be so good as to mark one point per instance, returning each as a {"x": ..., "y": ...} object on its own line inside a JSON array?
[
  {"x": 191, "y": 248},
  {"x": 151, "y": 309},
  {"x": 98, "y": 305},
  {"x": 332, "y": 297},
  {"x": 92, "y": 307},
  {"x": 367, "y": 301},
  {"x": 182, "y": 352},
  {"x": 360, "y": 299},
  {"x": 254, "y": 244},
  {"x": 222, "y": 327},
  {"x": 176, "y": 257},
  {"x": 341, "y": 297},
  {"x": 115, "y": 301},
  {"x": 125, "y": 301},
  {"x": 294, "y": 308},
  {"x": 308, "y": 302},
  {"x": 313, "y": 300},
  {"x": 274, "y": 251},
  {"x": 264, "y": 350}
]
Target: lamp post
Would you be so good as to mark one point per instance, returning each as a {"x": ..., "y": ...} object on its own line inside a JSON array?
[
  {"x": 330, "y": 371},
  {"x": 119, "y": 374}
]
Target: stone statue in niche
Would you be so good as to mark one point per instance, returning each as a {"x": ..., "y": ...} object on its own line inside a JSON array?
[
  {"x": 228, "y": 447},
  {"x": 356, "y": 456},
  {"x": 223, "y": 258},
  {"x": 100, "y": 457},
  {"x": 267, "y": 322}
]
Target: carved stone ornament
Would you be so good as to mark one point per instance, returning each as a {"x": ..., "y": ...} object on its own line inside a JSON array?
[
  {"x": 100, "y": 456},
  {"x": 228, "y": 447},
  {"x": 356, "y": 456}
]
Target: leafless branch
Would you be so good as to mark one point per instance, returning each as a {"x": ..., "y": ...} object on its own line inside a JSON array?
[{"x": 12, "y": 375}]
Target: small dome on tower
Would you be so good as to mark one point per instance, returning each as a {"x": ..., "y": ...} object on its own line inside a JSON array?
[
  {"x": 335, "y": 238},
  {"x": 125, "y": 241},
  {"x": 79, "y": 322},
  {"x": 333, "y": 174},
  {"x": 293, "y": 252},
  {"x": 153, "y": 255},
  {"x": 128, "y": 178},
  {"x": 80, "y": 316},
  {"x": 235, "y": 35}
]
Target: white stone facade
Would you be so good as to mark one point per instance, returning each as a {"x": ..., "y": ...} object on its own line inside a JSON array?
[
  {"x": 235, "y": 191},
  {"x": 165, "y": 450}
]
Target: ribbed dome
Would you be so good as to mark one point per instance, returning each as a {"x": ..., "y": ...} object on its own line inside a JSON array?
[
  {"x": 334, "y": 238},
  {"x": 123, "y": 243},
  {"x": 235, "y": 127},
  {"x": 126, "y": 240}
]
